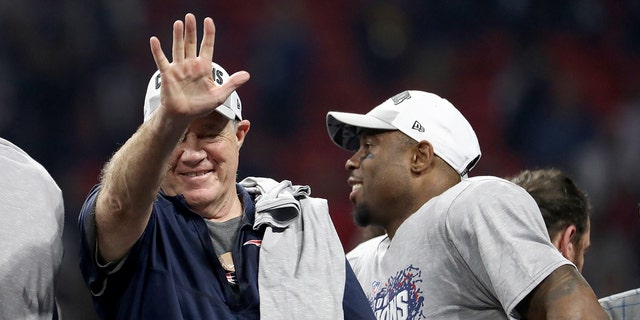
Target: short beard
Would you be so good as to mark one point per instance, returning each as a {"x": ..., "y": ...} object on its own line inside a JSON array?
[{"x": 362, "y": 215}]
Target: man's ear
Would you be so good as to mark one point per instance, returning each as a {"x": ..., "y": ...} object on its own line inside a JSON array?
[
  {"x": 242, "y": 128},
  {"x": 565, "y": 245},
  {"x": 422, "y": 157}
]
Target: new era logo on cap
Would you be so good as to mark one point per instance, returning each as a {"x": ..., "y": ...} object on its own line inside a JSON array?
[{"x": 417, "y": 126}]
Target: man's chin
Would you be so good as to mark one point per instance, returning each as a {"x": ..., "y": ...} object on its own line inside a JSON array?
[
  {"x": 361, "y": 215},
  {"x": 197, "y": 197}
]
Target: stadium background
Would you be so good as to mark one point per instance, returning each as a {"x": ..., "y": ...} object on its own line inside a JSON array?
[{"x": 544, "y": 83}]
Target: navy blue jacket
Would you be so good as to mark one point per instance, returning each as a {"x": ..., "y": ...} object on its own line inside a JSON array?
[{"x": 172, "y": 272}]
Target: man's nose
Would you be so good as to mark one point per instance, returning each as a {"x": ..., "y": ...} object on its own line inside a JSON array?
[
  {"x": 352, "y": 163},
  {"x": 192, "y": 150}
]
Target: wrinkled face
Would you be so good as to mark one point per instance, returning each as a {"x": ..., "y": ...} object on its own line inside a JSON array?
[
  {"x": 378, "y": 175},
  {"x": 203, "y": 165},
  {"x": 581, "y": 247}
]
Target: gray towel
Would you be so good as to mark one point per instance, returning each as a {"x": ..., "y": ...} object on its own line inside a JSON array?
[{"x": 301, "y": 272}]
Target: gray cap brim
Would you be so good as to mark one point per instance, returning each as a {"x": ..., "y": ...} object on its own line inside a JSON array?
[{"x": 344, "y": 127}]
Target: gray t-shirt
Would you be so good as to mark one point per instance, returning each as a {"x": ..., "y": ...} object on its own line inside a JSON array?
[
  {"x": 223, "y": 234},
  {"x": 32, "y": 213},
  {"x": 474, "y": 252}
]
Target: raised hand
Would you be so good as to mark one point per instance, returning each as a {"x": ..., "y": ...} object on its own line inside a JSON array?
[{"x": 188, "y": 90}]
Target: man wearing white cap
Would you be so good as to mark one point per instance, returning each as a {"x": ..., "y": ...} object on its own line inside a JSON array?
[
  {"x": 455, "y": 247},
  {"x": 169, "y": 234}
]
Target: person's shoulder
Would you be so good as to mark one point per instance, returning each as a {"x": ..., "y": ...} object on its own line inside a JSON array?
[
  {"x": 488, "y": 186},
  {"x": 14, "y": 156},
  {"x": 15, "y": 160},
  {"x": 484, "y": 190},
  {"x": 486, "y": 180},
  {"x": 7, "y": 147}
]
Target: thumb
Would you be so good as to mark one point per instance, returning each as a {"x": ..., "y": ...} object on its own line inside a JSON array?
[{"x": 236, "y": 80}]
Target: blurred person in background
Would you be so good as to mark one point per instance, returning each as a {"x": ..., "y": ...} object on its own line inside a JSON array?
[
  {"x": 565, "y": 209},
  {"x": 31, "y": 249}
]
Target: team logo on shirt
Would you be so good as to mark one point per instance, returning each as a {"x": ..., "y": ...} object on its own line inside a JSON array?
[
  {"x": 231, "y": 277},
  {"x": 400, "y": 297},
  {"x": 256, "y": 243}
]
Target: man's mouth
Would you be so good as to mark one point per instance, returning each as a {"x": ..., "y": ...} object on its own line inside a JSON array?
[
  {"x": 355, "y": 187},
  {"x": 196, "y": 174}
]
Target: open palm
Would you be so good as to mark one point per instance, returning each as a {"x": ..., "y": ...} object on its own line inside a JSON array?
[{"x": 188, "y": 90}]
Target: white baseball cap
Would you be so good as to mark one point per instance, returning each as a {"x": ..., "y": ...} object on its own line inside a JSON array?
[
  {"x": 420, "y": 115},
  {"x": 231, "y": 108}
]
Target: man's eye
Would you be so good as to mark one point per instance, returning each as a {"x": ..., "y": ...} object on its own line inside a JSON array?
[
  {"x": 366, "y": 147},
  {"x": 208, "y": 136}
]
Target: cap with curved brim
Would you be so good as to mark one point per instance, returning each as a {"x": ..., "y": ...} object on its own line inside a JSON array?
[
  {"x": 344, "y": 127},
  {"x": 421, "y": 116}
]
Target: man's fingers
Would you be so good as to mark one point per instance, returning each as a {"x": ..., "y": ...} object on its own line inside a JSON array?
[
  {"x": 177, "y": 49},
  {"x": 158, "y": 55},
  {"x": 208, "y": 39},
  {"x": 190, "y": 39}
]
